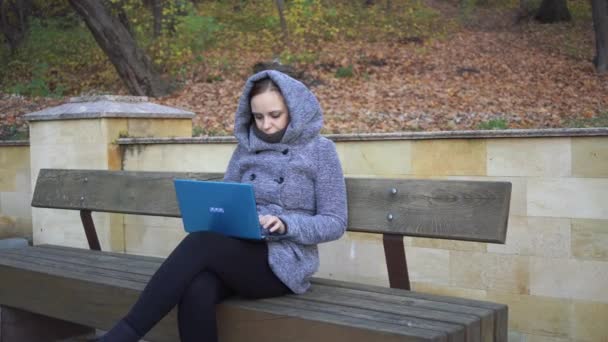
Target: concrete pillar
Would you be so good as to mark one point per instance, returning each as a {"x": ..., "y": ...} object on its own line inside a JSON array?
[{"x": 81, "y": 134}]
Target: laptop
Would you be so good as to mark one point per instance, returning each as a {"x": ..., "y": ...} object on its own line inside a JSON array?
[{"x": 221, "y": 207}]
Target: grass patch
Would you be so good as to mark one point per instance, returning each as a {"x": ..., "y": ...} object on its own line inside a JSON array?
[{"x": 494, "y": 124}]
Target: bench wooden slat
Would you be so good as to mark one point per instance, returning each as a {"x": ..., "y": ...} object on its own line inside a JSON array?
[
  {"x": 148, "y": 265},
  {"x": 500, "y": 310},
  {"x": 65, "y": 264},
  {"x": 114, "y": 262},
  {"x": 93, "y": 269},
  {"x": 61, "y": 279},
  {"x": 448, "y": 209},
  {"x": 128, "y": 192}
]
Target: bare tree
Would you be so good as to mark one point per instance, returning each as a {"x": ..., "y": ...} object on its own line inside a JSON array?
[
  {"x": 157, "y": 13},
  {"x": 131, "y": 63},
  {"x": 552, "y": 11},
  {"x": 281, "y": 9},
  {"x": 14, "y": 15},
  {"x": 600, "y": 24}
]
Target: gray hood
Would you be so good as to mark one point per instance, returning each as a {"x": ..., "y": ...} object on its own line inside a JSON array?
[{"x": 306, "y": 117}]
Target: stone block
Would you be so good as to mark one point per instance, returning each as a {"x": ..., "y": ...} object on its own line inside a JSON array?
[
  {"x": 14, "y": 157},
  {"x": 568, "y": 197},
  {"x": 197, "y": 158},
  {"x": 148, "y": 127},
  {"x": 443, "y": 290},
  {"x": 449, "y": 157},
  {"x": 590, "y": 239},
  {"x": 375, "y": 157},
  {"x": 569, "y": 278},
  {"x": 85, "y": 131},
  {"x": 539, "y": 236},
  {"x": 151, "y": 241},
  {"x": 589, "y": 321},
  {"x": 489, "y": 271},
  {"x": 533, "y": 157},
  {"x": 449, "y": 244},
  {"x": 428, "y": 265},
  {"x": 536, "y": 315},
  {"x": 15, "y": 204},
  {"x": 8, "y": 180},
  {"x": 544, "y": 338},
  {"x": 590, "y": 157},
  {"x": 355, "y": 257}
]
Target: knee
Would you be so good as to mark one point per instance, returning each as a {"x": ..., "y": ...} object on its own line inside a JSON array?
[{"x": 202, "y": 291}]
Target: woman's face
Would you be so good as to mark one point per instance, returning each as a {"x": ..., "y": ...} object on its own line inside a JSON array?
[{"x": 269, "y": 111}]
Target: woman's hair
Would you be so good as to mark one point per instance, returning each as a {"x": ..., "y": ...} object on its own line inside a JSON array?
[{"x": 262, "y": 86}]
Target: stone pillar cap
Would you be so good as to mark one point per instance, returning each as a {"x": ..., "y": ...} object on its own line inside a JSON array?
[{"x": 108, "y": 106}]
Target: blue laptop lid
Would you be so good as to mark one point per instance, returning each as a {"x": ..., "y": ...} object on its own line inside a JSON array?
[{"x": 222, "y": 207}]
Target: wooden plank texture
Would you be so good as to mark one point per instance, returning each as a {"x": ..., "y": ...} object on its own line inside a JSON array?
[
  {"x": 96, "y": 288},
  {"x": 448, "y": 209}
]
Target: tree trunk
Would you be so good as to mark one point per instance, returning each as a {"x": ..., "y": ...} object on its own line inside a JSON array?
[
  {"x": 14, "y": 16},
  {"x": 157, "y": 13},
  {"x": 552, "y": 11},
  {"x": 281, "y": 9},
  {"x": 131, "y": 63},
  {"x": 599, "y": 9}
]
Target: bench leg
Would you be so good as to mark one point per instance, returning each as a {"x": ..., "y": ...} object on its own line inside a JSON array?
[{"x": 18, "y": 326}]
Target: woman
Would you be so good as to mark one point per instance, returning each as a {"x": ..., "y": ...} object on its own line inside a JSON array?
[{"x": 301, "y": 199}]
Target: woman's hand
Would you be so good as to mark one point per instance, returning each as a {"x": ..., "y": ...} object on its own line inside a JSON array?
[{"x": 272, "y": 223}]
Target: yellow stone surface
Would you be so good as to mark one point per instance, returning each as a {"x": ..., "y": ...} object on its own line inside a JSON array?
[
  {"x": 159, "y": 127},
  {"x": 8, "y": 180},
  {"x": 543, "y": 338},
  {"x": 539, "y": 236},
  {"x": 533, "y": 157},
  {"x": 589, "y": 321},
  {"x": 590, "y": 157},
  {"x": 443, "y": 290},
  {"x": 86, "y": 131},
  {"x": 449, "y": 157},
  {"x": 428, "y": 265},
  {"x": 569, "y": 278},
  {"x": 14, "y": 157},
  {"x": 178, "y": 157},
  {"x": 590, "y": 239},
  {"x": 375, "y": 157},
  {"x": 489, "y": 271},
  {"x": 568, "y": 197},
  {"x": 536, "y": 315},
  {"x": 152, "y": 241},
  {"x": 449, "y": 244},
  {"x": 355, "y": 257}
]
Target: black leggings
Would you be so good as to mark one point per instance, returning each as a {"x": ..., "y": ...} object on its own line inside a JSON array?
[{"x": 202, "y": 270}]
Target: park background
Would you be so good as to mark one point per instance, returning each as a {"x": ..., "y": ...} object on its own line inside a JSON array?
[{"x": 481, "y": 90}]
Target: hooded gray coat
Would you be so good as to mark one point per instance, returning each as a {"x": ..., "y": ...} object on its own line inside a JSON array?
[{"x": 299, "y": 179}]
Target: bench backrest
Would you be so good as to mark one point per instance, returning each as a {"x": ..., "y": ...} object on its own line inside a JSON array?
[
  {"x": 447, "y": 209},
  {"x": 444, "y": 209}
]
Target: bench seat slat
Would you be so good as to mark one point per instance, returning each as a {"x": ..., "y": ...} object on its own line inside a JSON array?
[
  {"x": 92, "y": 268},
  {"x": 84, "y": 299},
  {"x": 500, "y": 310},
  {"x": 58, "y": 265}
]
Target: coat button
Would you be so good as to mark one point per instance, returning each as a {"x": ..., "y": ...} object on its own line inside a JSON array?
[
  {"x": 285, "y": 151},
  {"x": 252, "y": 177},
  {"x": 280, "y": 180}
]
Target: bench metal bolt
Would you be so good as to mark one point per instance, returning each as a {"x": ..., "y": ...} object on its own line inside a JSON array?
[
  {"x": 394, "y": 191},
  {"x": 390, "y": 217}
]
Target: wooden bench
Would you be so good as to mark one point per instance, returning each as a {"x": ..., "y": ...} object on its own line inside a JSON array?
[{"x": 92, "y": 288}]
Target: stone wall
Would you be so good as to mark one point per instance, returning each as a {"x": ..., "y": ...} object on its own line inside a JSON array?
[
  {"x": 553, "y": 270},
  {"x": 15, "y": 190}
]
